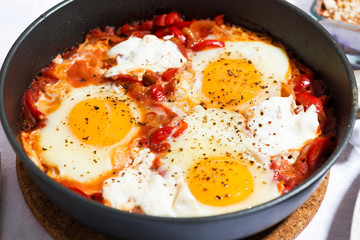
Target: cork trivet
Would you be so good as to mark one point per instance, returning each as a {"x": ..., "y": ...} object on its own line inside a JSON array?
[{"x": 62, "y": 227}]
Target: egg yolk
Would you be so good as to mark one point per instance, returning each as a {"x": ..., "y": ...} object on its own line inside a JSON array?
[
  {"x": 220, "y": 181},
  {"x": 230, "y": 82},
  {"x": 100, "y": 122}
]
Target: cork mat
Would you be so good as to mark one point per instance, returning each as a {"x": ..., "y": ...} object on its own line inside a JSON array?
[{"x": 62, "y": 227}]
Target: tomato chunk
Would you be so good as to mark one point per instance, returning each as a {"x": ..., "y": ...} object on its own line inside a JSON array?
[{"x": 209, "y": 43}]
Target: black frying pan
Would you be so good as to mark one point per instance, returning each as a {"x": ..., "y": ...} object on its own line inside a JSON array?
[{"x": 64, "y": 25}]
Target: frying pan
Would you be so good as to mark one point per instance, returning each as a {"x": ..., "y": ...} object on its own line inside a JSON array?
[{"x": 66, "y": 24}]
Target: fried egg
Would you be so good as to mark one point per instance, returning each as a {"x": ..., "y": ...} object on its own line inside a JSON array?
[
  {"x": 220, "y": 170},
  {"x": 237, "y": 76},
  {"x": 81, "y": 137}
]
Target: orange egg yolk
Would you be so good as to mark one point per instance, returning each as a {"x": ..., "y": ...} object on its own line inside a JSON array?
[
  {"x": 100, "y": 122},
  {"x": 230, "y": 82},
  {"x": 220, "y": 181}
]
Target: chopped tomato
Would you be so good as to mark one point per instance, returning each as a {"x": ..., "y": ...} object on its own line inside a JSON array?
[
  {"x": 307, "y": 100},
  {"x": 173, "y": 18},
  {"x": 169, "y": 74},
  {"x": 160, "y": 135},
  {"x": 157, "y": 93},
  {"x": 318, "y": 148},
  {"x": 209, "y": 43}
]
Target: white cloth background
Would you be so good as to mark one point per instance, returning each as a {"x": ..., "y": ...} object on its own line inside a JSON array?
[{"x": 332, "y": 221}]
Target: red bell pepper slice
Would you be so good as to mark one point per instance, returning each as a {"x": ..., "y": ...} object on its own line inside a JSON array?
[
  {"x": 183, "y": 24},
  {"x": 209, "y": 43},
  {"x": 169, "y": 74},
  {"x": 157, "y": 93},
  {"x": 173, "y": 18},
  {"x": 307, "y": 100},
  {"x": 178, "y": 34},
  {"x": 160, "y": 135},
  {"x": 125, "y": 77},
  {"x": 30, "y": 98},
  {"x": 181, "y": 129},
  {"x": 159, "y": 20},
  {"x": 302, "y": 82}
]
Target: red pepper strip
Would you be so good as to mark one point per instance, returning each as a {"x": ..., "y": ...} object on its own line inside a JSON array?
[
  {"x": 162, "y": 32},
  {"x": 169, "y": 74},
  {"x": 31, "y": 97},
  {"x": 147, "y": 25},
  {"x": 209, "y": 43},
  {"x": 181, "y": 129},
  {"x": 159, "y": 20},
  {"x": 157, "y": 93},
  {"x": 318, "y": 148},
  {"x": 173, "y": 18},
  {"x": 219, "y": 19},
  {"x": 183, "y": 24},
  {"x": 160, "y": 135},
  {"x": 180, "y": 46},
  {"x": 178, "y": 34},
  {"x": 125, "y": 77},
  {"x": 307, "y": 100},
  {"x": 302, "y": 83}
]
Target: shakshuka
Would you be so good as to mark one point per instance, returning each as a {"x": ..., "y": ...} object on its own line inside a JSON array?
[{"x": 178, "y": 118}]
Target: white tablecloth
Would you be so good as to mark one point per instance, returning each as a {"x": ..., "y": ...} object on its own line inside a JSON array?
[{"x": 332, "y": 221}]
